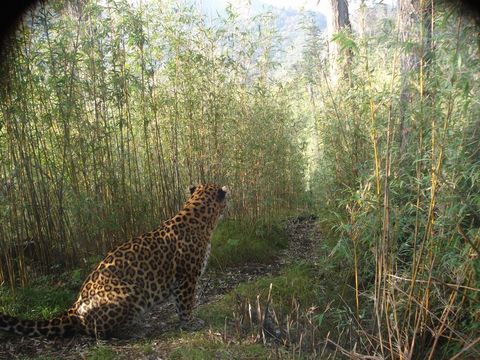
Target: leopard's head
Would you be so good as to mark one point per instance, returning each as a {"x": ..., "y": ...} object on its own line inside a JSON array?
[{"x": 208, "y": 199}]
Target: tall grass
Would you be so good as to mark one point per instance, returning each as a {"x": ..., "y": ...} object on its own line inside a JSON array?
[
  {"x": 110, "y": 110},
  {"x": 402, "y": 198}
]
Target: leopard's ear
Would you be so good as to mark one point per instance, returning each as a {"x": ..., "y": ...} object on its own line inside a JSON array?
[
  {"x": 222, "y": 193},
  {"x": 192, "y": 188}
]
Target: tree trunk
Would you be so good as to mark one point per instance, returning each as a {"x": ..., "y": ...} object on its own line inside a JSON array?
[
  {"x": 415, "y": 29},
  {"x": 339, "y": 22},
  {"x": 409, "y": 12}
]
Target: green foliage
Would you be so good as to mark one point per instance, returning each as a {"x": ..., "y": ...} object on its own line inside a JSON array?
[
  {"x": 237, "y": 242},
  {"x": 102, "y": 352},
  {"x": 145, "y": 348},
  {"x": 202, "y": 347},
  {"x": 111, "y": 109},
  {"x": 297, "y": 282},
  {"x": 397, "y": 182},
  {"x": 37, "y": 301},
  {"x": 346, "y": 42}
]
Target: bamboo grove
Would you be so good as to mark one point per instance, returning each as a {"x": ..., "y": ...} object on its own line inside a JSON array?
[
  {"x": 397, "y": 180},
  {"x": 112, "y": 110}
]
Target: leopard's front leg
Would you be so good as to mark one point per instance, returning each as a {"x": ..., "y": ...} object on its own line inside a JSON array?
[{"x": 184, "y": 294}]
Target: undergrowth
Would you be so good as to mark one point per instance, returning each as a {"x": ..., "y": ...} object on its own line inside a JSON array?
[
  {"x": 296, "y": 312},
  {"x": 397, "y": 186},
  {"x": 46, "y": 297},
  {"x": 102, "y": 352},
  {"x": 200, "y": 346},
  {"x": 236, "y": 242},
  {"x": 297, "y": 281}
]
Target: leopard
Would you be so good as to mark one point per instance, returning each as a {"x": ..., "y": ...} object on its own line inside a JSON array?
[{"x": 139, "y": 274}]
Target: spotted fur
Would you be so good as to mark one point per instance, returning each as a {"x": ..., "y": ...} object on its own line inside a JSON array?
[{"x": 140, "y": 273}]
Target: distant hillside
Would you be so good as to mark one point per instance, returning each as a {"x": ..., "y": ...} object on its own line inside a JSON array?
[{"x": 288, "y": 25}]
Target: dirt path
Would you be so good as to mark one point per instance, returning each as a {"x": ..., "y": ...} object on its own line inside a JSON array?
[{"x": 302, "y": 233}]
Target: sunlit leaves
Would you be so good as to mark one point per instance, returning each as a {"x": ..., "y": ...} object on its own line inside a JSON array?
[{"x": 117, "y": 107}]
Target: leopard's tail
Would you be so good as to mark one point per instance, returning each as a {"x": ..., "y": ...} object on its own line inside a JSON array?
[{"x": 64, "y": 325}]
